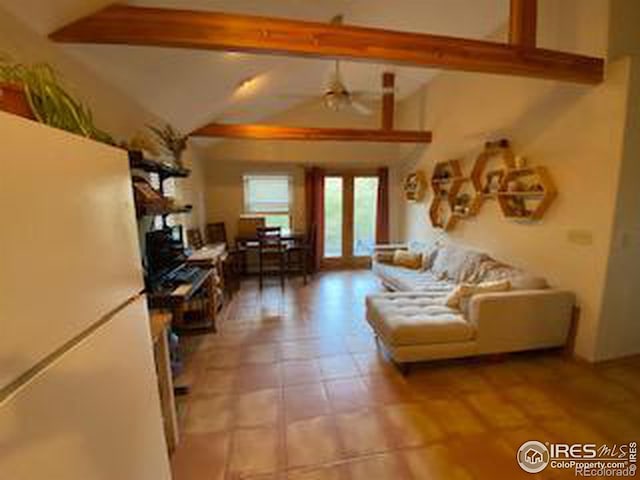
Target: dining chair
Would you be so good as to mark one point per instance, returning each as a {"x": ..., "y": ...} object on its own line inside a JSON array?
[
  {"x": 300, "y": 254},
  {"x": 272, "y": 252},
  {"x": 217, "y": 233}
]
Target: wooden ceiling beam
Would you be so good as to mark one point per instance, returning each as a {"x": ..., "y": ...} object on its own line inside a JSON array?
[
  {"x": 275, "y": 132},
  {"x": 523, "y": 23},
  {"x": 129, "y": 25},
  {"x": 388, "y": 100}
]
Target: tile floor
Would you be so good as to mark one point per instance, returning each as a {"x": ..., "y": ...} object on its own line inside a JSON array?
[{"x": 293, "y": 387}]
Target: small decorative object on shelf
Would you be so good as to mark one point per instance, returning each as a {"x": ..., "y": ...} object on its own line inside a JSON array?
[
  {"x": 526, "y": 193},
  {"x": 34, "y": 92},
  {"x": 171, "y": 141},
  {"x": 415, "y": 185}
]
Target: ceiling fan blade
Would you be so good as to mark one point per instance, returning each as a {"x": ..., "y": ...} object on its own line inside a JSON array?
[
  {"x": 366, "y": 95},
  {"x": 361, "y": 108}
]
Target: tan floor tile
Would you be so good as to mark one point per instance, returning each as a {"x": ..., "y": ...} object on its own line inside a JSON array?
[
  {"x": 362, "y": 432},
  {"x": 297, "y": 350},
  {"x": 348, "y": 394},
  {"x": 338, "y": 366},
  {"x": 297, "y": 372},
  {"x": 388, "y": 389},
  {"x": 215, "y": 382},
  {"x": 386, "y": 466},
  {"x": 208, "y": 414},
  {"x": 453, "y": 416},
  {"x": 257, "y": 408},
  {"x": 259, "y": 354},
  {"x": 434, "y": 463},
  {"x": 312, "y": 442},
  {"x": 223, "y": 358},
  {"x": 257, "y": 377},
  {"x": 496, "y": 411},
  {"x": 410, "y": 426},
  {"x": 372, "y": 363},
  {"x": 484, "y": 456},
  {"x": 321, "y": 473},
  {"x": 254, "y": 451},
  {"x": 305, "y": 401},
  {"x": 534, "y": 402},
  {"x": 201, "y": 456}
]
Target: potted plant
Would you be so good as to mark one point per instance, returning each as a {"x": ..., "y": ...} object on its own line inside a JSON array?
[
  {"x": 171, "y": 141},
  {"x": 46, "y": 100}
]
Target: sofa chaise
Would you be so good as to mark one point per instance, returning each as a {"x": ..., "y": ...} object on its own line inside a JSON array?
[{"x": 416, "y": 322}]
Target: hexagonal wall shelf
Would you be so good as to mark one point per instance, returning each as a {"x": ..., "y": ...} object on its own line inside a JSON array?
[
  {"x": 526, "y": 193},
  {"x": 486, "y": 185},
  {"x": 446, "y": 182}
]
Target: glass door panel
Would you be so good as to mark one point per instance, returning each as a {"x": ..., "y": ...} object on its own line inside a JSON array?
[
  {"x": 365, "y": 199},
  {"x": 333, "y": 218}
]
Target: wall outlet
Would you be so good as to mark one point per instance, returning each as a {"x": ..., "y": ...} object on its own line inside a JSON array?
[{"x": 580, "y": 237}]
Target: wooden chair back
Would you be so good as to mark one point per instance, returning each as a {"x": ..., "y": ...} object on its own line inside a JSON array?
[
  {"x": 194, "y": 237},
  {"x": 217, "y": 233}
]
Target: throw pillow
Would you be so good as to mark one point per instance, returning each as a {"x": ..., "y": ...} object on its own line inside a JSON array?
[
  {"x": 384, "y": 257},
  {"x": 465, "y": 291},
  {"x": 407, "y": 259}
]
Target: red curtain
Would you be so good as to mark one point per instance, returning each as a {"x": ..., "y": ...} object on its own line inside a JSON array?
[
  {"x": 314, "y": 197},
  {"x": 382, "y": 217}
]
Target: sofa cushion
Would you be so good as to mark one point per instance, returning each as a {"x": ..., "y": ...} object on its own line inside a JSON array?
[
  {"x": 407, "y": 259},
  {"x": 491, "y": 270},
  {"x": 460, "y": 295},
  {"x": 408, "y": 280},
  {"x": 416, "y": 319},
  {"x": 457, "y": 263}
]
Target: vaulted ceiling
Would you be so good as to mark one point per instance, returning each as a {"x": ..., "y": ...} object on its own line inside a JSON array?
[{"x": 191, "y": 88}]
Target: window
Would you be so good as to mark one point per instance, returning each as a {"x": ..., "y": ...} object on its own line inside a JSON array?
[
  {"x": 365, "y": 199},
  {"x": 269, "y": 196},
  {"x": 333, "y": 217}
]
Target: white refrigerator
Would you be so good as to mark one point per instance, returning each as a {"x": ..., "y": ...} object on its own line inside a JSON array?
[{"x": 78, "y": 389}]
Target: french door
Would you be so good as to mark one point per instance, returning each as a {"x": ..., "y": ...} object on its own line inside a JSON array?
[{"x": 350, "y": 203}]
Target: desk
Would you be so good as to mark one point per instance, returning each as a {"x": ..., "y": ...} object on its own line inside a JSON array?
[
  {"x": 160, "y": 322},
  {"x": 177, "y": 301},
  {"x": 252, "y": 240}
]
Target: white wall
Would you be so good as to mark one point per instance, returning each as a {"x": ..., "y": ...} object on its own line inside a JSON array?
[{"x": 576, "y": 131}]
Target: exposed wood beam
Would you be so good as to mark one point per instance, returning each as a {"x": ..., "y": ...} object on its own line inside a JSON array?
[
  {"x": 121, "y": 24},
  {"x": 388, "y": 100},
  {"x": 275, "y": 132},
  {"x": 523, "y": 23}
]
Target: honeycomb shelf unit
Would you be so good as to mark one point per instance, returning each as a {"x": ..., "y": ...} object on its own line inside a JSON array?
[
  {"x": 526, "y": 193},
  {"x": 415, "y": 186},
  {"x": 487, "y": 184},
  {"x": 446, "y": 182}
]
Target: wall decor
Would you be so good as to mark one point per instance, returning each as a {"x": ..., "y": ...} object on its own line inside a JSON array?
[
  {"x": 526, "y": 193},
  {"x": 448, "y": 205},
  {"x": 415, "y": 186},
  {"x": 497, "y": 155}
]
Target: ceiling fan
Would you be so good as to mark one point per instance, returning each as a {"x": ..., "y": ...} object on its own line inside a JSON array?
[{"x": 337, "y": 96}]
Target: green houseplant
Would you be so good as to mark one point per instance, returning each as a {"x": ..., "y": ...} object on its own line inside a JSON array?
[
  {"x": 48, "y": 100},
  {"x": 171, "y": 141}
]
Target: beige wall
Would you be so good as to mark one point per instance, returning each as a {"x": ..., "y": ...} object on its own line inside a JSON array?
[
  {"x": 619, "y": 332},
  {"x": 114, "y": 111},
  {"x": 227, "y": 160},
  {"x": 576, "y": 131},
  {"x": 224, "y": 190}
]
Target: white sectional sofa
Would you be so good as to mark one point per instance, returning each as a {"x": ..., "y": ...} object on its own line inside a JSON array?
[{"x": 415, "y": 324}]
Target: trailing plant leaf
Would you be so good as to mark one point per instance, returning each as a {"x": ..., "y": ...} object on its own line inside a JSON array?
[{"x": 50, "y": 102}]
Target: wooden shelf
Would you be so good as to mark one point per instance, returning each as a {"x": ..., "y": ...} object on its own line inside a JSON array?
[
  {"x": 445, "y": 194},
  {"x": 165, "y": 170},
  {"x": 499, "y": 150},
  {"x": 524, "y": 204}
]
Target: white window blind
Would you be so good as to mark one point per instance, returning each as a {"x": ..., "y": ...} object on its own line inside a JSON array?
[{"x": 267, "y": 193}]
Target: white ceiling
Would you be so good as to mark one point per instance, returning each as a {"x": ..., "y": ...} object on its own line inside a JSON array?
[{"x": 190, "y": 88}]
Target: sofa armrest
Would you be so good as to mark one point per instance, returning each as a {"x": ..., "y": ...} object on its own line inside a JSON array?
[{"x": 521, "y": 319}]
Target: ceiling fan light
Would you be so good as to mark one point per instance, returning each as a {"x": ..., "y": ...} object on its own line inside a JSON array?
[{"x": 333, "y": 101}]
